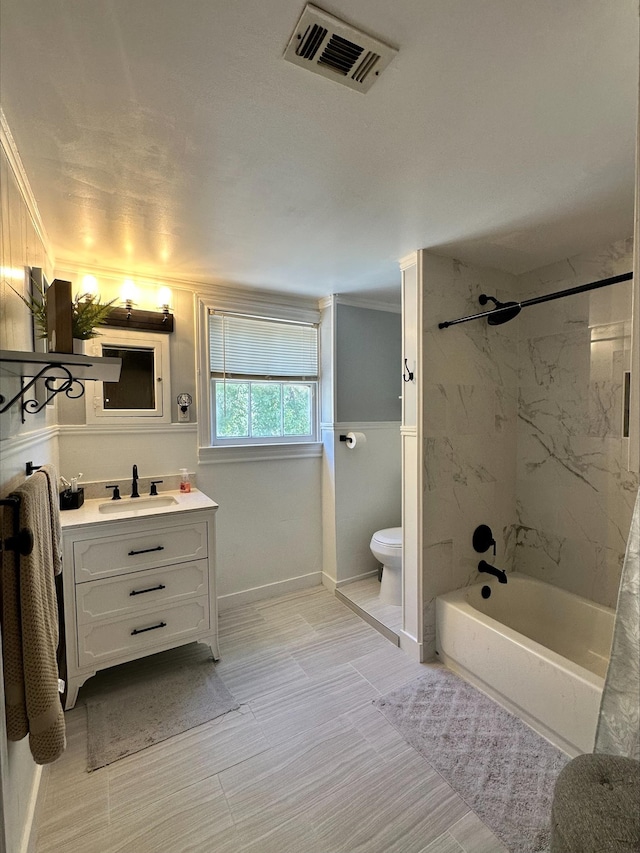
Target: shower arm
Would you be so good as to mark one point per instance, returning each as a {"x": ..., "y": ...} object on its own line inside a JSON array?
[{"x": 559, "y": 294}]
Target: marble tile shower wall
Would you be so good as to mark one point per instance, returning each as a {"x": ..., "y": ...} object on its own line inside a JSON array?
[
  {"x": 574, "y": 494},
  {"x": 470, "y": 427}
]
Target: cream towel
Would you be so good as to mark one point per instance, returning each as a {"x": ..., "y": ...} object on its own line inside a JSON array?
[{"x": 30, "y": 627}]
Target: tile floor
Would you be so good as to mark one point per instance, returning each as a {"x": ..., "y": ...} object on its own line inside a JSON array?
[{"x": 306, "y": 765}]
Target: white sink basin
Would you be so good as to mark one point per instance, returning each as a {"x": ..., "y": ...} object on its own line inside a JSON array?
[{"x": 135, "y": 504}]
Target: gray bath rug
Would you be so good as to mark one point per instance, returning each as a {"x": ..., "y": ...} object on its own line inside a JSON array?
[
  {"x": 137, "y": 704},
  {"x": 502, "y": 769}
]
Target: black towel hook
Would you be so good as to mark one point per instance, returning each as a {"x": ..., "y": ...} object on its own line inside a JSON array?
[{"x": 407, "y": 374}]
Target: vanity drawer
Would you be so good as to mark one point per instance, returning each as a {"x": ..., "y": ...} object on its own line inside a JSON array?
[
  {"x": 161, "y": 546},
  {"x": 122, "y": 638},
  {"x": 133, "y": 592}
]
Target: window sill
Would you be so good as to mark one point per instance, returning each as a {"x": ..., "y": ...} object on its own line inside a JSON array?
[{"x": 258, "y": 452}]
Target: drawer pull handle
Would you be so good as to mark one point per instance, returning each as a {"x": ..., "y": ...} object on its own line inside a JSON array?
[
  {"x": 151, "y": 589},
  {"x": 147, "y": 550},
  {"x": 152, "y": 628}
]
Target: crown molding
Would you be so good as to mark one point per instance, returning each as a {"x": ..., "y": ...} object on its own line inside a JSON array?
[
  {"x": 408, "y": 260},
  {"x": 371, "y": 304}
]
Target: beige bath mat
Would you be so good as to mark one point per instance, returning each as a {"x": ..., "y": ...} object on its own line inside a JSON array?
[
  {"x": 501, "y": 768},
  {"x": 137, "y": 704}
]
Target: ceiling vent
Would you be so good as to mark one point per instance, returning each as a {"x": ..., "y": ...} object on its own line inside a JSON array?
[{"x": 332, "y": 48}]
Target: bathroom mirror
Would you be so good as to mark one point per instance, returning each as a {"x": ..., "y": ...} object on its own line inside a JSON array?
[{"x": 143, "y": 391}]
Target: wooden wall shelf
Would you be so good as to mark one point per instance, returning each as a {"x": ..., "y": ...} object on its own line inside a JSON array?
[{"x": 59, "y": 372}]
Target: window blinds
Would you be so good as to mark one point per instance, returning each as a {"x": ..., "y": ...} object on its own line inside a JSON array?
[{"x": 246, "y": 347}]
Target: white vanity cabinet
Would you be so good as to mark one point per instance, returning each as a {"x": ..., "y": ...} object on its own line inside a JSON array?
[{"x": 136, "y": 586}]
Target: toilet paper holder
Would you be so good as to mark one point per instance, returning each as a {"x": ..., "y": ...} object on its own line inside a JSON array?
[{"x": 351, "y": 439}]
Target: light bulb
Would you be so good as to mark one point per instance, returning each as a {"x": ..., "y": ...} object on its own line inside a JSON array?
[
  {"x": 129, "y": 291},
  {"x": 164, "y": 298},
  {"x": 89, "y": 287}
]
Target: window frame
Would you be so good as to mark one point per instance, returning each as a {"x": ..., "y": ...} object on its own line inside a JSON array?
[{"x": 299, "y": 310}]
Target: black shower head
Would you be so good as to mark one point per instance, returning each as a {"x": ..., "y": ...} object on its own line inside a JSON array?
[
  {"x": 511, "y": 310},
  {"x": 505, "y": 310}
]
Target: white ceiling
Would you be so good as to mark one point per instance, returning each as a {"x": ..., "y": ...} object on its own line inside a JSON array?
[{"x": 170, "y": 138}]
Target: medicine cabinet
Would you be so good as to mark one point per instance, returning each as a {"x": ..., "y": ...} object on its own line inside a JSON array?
[{"x": 143, "y": 394}]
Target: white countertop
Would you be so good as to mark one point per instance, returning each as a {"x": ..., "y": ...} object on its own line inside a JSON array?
[{"x": 89, "y": 512}]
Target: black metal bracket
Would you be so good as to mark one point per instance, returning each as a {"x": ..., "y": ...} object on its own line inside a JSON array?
[
  {"x": 71, "y": 387},
  {"x": 29, "y": 468}
]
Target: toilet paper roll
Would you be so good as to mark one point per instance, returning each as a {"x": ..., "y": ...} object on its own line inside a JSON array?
[{"x": 355, "y": 438}]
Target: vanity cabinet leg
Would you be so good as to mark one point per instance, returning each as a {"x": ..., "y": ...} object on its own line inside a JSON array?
[
  {"x": 73, "y": 686},
  {"x": 212, "y": 642}
]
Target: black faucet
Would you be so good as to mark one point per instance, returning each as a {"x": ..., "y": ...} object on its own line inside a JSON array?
[
  {"x": 483, "y": 566},
  {"x": 134, "y": 484}
]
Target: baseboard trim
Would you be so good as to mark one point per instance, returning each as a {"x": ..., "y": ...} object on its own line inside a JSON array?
[
  {"x": 355, "y": 578},
  {"x": 30, "y": 832},
  {"x": 411, "y": 647},
  {"x": 328, "y": 582},
  {"x": 270, "y": 590}
]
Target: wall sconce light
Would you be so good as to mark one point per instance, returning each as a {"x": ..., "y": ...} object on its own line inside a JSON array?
[
  {"x": 130, "y": 317},
  {"x": 164, "y": 302},
  {"x": 128, "y": 294}
]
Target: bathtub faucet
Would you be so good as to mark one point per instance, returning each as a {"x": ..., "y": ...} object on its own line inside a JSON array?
[{"x": 483, "y": 566}]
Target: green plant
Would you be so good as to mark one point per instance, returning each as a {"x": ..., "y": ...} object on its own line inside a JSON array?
[{"x": 87, "y": 312}]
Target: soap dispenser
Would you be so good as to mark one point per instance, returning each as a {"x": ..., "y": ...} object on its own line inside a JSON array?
[{"x": 185, "y": 485}]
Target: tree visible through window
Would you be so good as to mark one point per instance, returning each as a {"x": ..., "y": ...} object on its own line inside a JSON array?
[{"x": 264, "y": 377}]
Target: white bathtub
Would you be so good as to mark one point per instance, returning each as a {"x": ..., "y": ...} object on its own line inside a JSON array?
[{"x": 539, "y": 651}]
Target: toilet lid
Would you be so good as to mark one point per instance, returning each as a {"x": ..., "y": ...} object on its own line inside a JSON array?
[{"x": 390, "y": 536}]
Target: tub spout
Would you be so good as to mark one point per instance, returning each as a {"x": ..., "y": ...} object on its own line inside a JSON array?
[{"x": 483, "y": 566}]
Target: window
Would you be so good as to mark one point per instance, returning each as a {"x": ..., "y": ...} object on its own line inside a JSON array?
[{"x": 264, "y": 376}]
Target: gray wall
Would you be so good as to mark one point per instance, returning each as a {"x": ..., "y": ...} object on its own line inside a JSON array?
[{"x": 368, "y": 358}]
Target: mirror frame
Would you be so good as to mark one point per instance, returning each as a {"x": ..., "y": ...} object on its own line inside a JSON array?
[{"x": 95, "y": 411}]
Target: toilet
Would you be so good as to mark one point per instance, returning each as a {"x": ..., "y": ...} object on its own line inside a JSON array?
[{"x": 386, "y": 547}]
